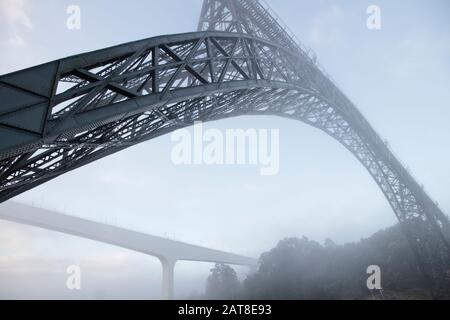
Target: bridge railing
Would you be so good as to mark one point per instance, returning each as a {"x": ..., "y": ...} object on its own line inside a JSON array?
[{"x": 308, "y": 51}]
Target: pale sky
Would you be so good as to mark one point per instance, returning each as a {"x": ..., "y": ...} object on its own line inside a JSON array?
[{"x": 397, "y": 76}]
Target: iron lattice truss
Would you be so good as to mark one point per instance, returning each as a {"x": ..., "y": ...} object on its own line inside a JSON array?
[{"x": 62, "y": 115}]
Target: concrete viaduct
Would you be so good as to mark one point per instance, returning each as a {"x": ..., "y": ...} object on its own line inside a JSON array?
[{"x": 169, "y": 252}]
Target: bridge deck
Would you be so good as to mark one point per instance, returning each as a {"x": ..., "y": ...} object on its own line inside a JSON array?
[{"x": 132, "y": 240}]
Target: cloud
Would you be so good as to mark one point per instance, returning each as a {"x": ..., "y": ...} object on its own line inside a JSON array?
[
  {"x": 15, "y": 40},
  {"x": 419, "y": 54},
  {"x": 324, "y": 30},
  {"x": 33, "y": 264},
  {"x": 14, "y": 22},
  {"x": 14, "y": 240},
  {"x": 15, "y": 12}
]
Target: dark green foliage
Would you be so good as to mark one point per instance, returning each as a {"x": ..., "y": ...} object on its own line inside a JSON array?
[
  {"x": 304, "y": 269},
  {"x": 223, "y": 283}
]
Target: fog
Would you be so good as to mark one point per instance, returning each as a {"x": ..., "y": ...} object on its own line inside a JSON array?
[{"x": 321, "y": 191}]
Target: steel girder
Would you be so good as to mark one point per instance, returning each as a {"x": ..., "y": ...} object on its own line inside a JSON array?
[
  {"x": 62, "y": 115},
  {"x": 424, "y": 224}
]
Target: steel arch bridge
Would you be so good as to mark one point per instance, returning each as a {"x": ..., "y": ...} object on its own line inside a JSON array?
[{"x": 62, "y": 115}]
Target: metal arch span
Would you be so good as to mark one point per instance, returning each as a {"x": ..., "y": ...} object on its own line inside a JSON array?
[
  {"x": 169, "y": 252},
  {"x": 62, "y": 115}
]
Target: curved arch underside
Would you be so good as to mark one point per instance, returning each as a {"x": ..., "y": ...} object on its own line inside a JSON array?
[{"x": 62, "y": 115}]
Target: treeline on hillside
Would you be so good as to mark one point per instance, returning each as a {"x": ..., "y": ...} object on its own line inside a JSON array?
[{"x": 304, "y": 269}]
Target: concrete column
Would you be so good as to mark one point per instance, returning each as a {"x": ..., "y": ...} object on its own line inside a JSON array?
[{"x": 168, "y": 268}]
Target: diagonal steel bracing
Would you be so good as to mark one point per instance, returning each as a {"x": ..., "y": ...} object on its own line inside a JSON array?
[{"x": 62, "y": 115}]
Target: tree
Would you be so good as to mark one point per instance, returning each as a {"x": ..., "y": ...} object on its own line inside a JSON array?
[
  {"x": 294, "y": 269},
  {"x": 223, "y": 283},
  {"x": 304, "y": 269},
  {"x": 328, "y": 243}
]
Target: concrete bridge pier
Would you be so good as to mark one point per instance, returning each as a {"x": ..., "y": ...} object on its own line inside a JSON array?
[{"x": 168, "y": 278}]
